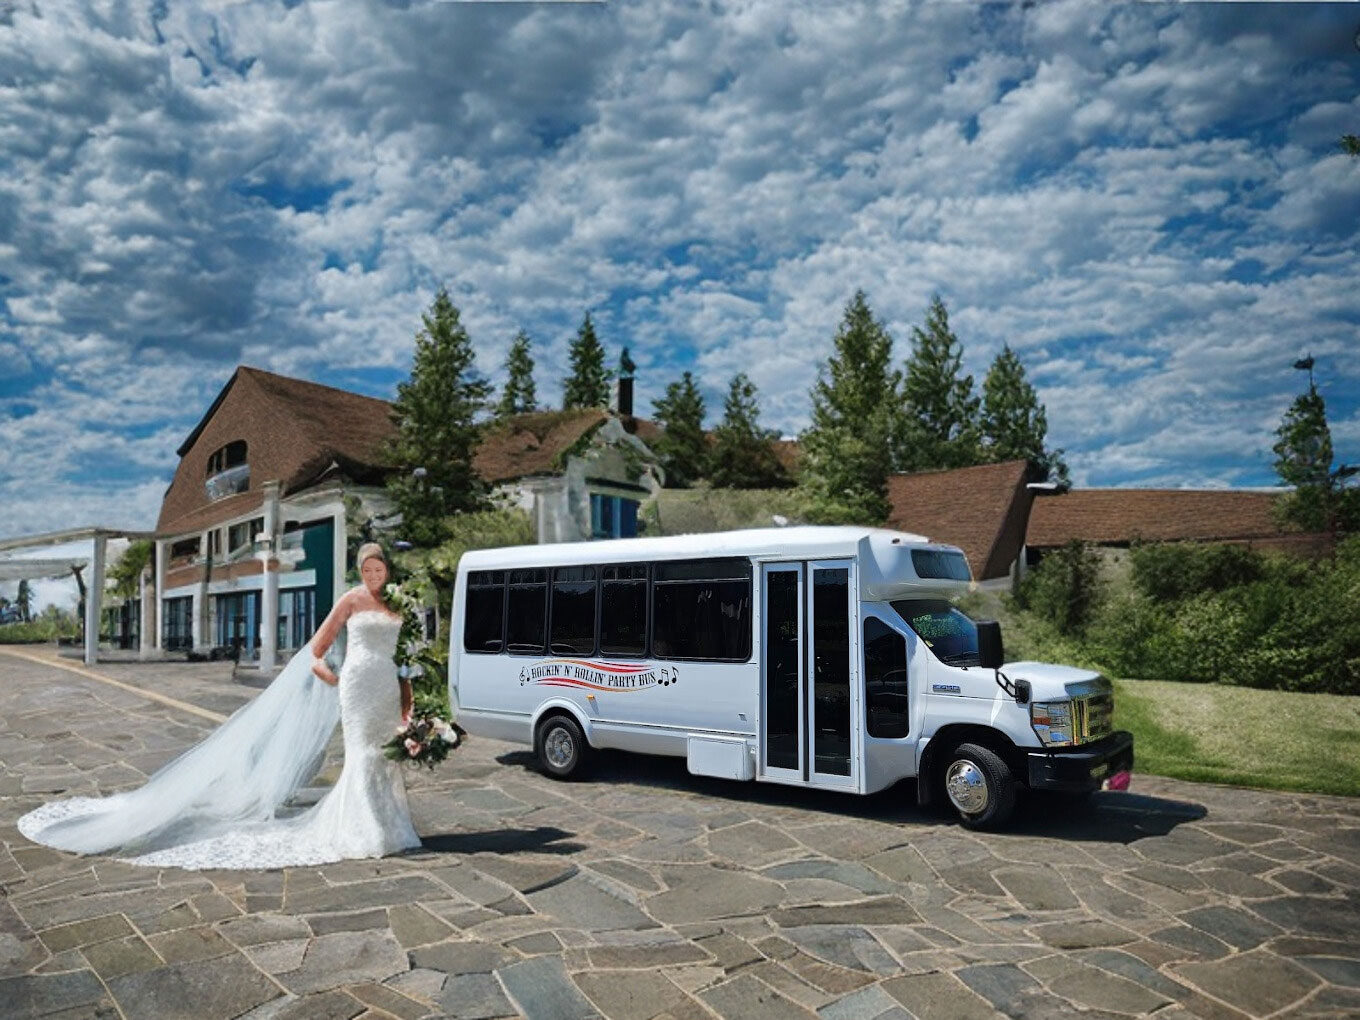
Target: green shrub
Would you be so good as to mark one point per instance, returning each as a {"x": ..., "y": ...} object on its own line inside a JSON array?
[
  {"x": 1065, "y": 589},
  {"x": 1172, "y": 571}
]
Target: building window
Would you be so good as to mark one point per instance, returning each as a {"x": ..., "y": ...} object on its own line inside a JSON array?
[
  {"x": 229, "y": 456},
  {"x": 185, "y": 548},
  {"x": 612, "y": 516},
  {"x": 177, "y": 633},
  {"x": 215, "y": 543},
  {"x": 573, "y": 611},
  {"x": 701, "y": 609},
  {"x": 243, "y": 534},
  {"x": 297, "y": 616},
  {"x": 237, "y": 617},
  {"x": 227, "y": 471}
]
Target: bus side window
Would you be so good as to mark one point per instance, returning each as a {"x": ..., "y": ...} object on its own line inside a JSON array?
[
  {"x": 573, "y": 611},
  {"x": 484, "y": 624},
  {"x": 885, "y": 680},
  {"x": 526, "y": 611},
  {"x": 701, "y": 609},
  {"x": 623, "y": 609}
]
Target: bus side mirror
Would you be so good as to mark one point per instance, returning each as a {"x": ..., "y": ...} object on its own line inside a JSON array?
[{"x": 991, "y": 655}]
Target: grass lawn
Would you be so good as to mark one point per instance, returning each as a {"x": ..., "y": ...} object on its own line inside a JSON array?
[{"x": 1278, "y": 740}]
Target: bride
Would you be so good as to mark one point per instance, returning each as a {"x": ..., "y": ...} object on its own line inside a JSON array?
[{"x": 214, "y": 806}]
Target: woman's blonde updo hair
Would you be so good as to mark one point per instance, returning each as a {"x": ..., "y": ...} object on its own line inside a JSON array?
[{"x": 366, "y": 552}]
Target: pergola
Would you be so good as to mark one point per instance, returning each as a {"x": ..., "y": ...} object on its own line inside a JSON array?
[{"x": 12, "y": 569}]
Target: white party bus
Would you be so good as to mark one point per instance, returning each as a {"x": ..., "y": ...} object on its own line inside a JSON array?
[{"x": 826, "y": 657}]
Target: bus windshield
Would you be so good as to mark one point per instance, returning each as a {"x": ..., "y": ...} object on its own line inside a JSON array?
[{"x": 947, "y": 631}]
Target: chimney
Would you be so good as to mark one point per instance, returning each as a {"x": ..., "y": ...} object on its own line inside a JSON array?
[{"x": 623, "y": 396}]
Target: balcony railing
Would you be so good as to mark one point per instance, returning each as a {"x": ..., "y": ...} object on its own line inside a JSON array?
[{"x": 229, "y": 482}]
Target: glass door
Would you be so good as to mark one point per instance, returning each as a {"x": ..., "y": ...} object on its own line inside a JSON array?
[{"x": 809, "y": 700}]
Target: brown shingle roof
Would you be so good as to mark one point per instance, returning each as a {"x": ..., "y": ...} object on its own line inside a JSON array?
[
  {"x": 1118, "y": 516},
  {"x": 982, "y": 509},
  {"x": 532, "y": 444}
]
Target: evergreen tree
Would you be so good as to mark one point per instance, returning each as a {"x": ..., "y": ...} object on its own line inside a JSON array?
[
  {"x": 847, "y": 451},
  {"x": 24, "y": 600},
  {"x": 1321, "y": 500},
  {"x": 588, "y": 385},
  {"x": 937, "y": 427},
  {"x": 437, "y": 436},
  {"x": 1014, "y": 424},
  {"x": 1350, "y": 145},
  {"x": 742, "y": 457},
  {"x": 683, "y": 448},
  {"x": 518, "y": 397}
]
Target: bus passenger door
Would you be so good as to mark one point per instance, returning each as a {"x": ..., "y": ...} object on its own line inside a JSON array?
[{"x": 809, "y": 702}]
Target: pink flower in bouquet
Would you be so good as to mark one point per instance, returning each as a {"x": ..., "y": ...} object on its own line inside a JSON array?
[{"x": 413, "y": 747}]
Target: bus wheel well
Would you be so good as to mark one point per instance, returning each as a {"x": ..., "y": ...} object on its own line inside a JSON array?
[
  {"x": 556, "y": 712},
  {"x": 950, "y": 737}
]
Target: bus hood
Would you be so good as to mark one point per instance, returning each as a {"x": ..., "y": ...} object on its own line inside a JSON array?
[{"x": 1048, "y": 681}]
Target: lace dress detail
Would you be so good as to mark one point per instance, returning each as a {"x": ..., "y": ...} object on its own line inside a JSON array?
[{"x": 366, "y": 813}]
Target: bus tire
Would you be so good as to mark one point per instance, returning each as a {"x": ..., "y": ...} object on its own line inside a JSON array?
[
  {"x": 562, "y": 747},
  {"x": 979, "y": 785}
]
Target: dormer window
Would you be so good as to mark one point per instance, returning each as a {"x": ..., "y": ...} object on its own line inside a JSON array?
[{"x": 228, "y": 472}]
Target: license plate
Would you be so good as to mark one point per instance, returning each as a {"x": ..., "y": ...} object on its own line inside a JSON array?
[{"x": 1118, "y": 781}]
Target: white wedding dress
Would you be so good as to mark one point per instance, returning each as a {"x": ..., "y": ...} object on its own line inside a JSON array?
[{"x": 216, "y": 805}]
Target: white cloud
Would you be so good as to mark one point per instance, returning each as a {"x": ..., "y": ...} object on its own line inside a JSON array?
[{"x": 1144, "y": 200}]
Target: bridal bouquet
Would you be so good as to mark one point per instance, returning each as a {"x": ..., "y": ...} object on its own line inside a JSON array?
[{"x": 426, "y": 740}]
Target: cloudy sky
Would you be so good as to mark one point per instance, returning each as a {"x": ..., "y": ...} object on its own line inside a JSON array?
[{"x": 1147, "y": 201}]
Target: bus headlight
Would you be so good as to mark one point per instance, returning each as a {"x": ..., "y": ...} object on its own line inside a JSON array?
[{"x": 1052, "y": 720}]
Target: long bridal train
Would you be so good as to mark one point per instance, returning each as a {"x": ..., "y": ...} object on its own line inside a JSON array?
[{"x": 214, "y": 806}]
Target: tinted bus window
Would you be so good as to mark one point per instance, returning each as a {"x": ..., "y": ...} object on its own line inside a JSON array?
[
  {"x": 485, "y": 620},
  {"x": 701, "y": 609},
  {"x": 526, "y": 612},
  {"x": 935, "y": 564},
  {"x": 573, "y": 611},
  {"x": 623, "y": 609},
  {"x": 885, "y": 680}
]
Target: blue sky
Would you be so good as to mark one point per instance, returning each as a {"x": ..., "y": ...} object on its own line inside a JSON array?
[{"x": 1146, "y": 201}]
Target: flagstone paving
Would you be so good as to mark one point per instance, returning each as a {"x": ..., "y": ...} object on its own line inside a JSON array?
[{"x": 644, "y": 893}]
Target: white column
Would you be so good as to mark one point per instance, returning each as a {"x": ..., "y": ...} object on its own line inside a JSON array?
[
  {"x": 94, "y": 601},
  {"x": 147, "y": 621},
  {"x": 269, "y": 598},
  {"x": 341, "y": 538},
  {"x": 158, "y": 594}
]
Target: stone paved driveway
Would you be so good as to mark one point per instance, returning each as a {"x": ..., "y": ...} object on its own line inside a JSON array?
[{"x": 648, "y": 893}]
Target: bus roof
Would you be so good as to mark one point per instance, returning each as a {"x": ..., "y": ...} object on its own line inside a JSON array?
[{"x": 800, "y": 542}]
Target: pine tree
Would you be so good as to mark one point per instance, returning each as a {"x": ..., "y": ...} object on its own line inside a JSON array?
[
  {"x": 847, "y": 451},
  {"x": 1321, "y": 500},
  {"x": 683, "y": 448},
  {"x": 588, "y": 385},
  {"x": 937, "y": 427},
  {"x": 437, "y": 436},
  {"x": 742, "y": 457},
  {"x": 518, "y": 397},
  {"x": 24, "y": 600},
  {"x": 1014, "y": 424}
]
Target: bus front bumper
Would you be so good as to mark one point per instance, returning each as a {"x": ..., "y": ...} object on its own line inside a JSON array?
[{"x": 1089, "y": 767}]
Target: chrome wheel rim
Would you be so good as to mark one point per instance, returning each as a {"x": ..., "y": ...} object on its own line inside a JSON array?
[
  {"x": 966, "y": 786},
  {"x": 559, "y": 747}
]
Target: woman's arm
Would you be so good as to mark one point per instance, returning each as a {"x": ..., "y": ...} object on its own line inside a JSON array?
[
  {"x": 407, "y": 700},
  {"x": 325, "y": 637}
]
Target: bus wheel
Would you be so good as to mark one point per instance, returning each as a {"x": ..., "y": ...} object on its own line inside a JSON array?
[
  {"x": 980, "y": 786},
  {"x": 561, "y": 746}
]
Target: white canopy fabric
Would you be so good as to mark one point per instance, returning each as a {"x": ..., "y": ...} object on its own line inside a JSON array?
[{"x": 33, "y": 570}]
